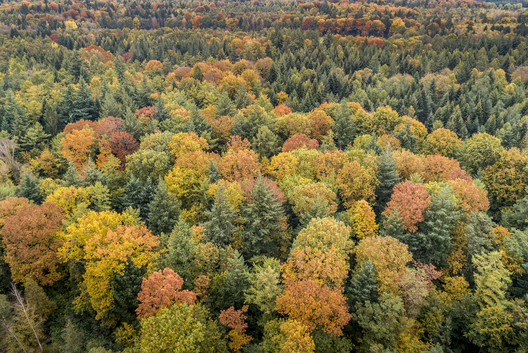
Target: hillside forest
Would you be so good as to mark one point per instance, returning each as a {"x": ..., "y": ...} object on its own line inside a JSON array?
[{"x": 263, "y": 176}]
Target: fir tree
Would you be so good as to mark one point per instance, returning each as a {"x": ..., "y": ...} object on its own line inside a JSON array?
[
  {"x": 432, "y": 242},
  {"x": 84, "y": 106},
  {"x": 161, "y": 112},
  {"x": 224, "y": 105},
  {"x": 393, "y": 226},
  {"x": 266, "y": 143},
  {"x": 198, "y": 123},
  {"x": 65, "y": 108},
  {"x": 138, "y": 195},
  {"x": 231, "y": 292},
  {"x": 363, "y": 286},
  {"x": 343, "y": 127},
  {"x": 164, "y": 210},
  {"x": 388, "y": 178},
  {"x": 220, "y": 225},
  {"x": 131, "y": 124},
  {"x": 262, "y": 218},
  {"x": 29, "y": 188},
  {"x": 14, "y": 120},
  {"x": 180, "y": 248}
]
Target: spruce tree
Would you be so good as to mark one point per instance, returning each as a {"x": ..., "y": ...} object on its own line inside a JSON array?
[
  {"x": 180, "y": 248},
  {"x": 65, "y": 108},
  {"x": 14, "y": 120},
  {"x": 231, "y": 292},
  {"x": 164, "y": 210},
  {"x": 224, "y": 105},
  {"x": 29, "y": 188},
  {"x": 266, "y": 143},
  {"x": 388, "y": 178},
  {"x": 220, "y": 225},
  {"x": 131, "y": 124},
  {"x": 198, "y": 124},
  {"x": 343, "y": 127},
  {"x": 138, "y": 195},
  {"x": 363, "y": 287},
  {"x": 84, "y": 106},
  {"x": 262, "y": 218},
  {"x": 392, "y": 226},
  {"x": 432, "y": 242}
]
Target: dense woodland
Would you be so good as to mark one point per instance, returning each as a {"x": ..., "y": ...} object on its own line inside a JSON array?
[{"x": 264, "y": 176}]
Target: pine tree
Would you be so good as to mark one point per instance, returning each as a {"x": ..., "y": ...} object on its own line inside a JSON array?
[
  {"x": 29, "y": 188},
  {"x": 164, "y": 210},
  {"x": 388, "y": 178},
  {"x": 343, "y": 127},
  {"x": 262, "y": 218},
  {"x": 220, "y": 225}
]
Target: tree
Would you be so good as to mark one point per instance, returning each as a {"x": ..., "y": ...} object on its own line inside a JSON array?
[
  {"x": 363, "y": 220},
  {"x": 343, "y": 127},
  {"x": 314, "y": 305},
  {"x": 443, "y": 142},
  {"x": 164, "y": 210},
  {"x": 381, "y": 322},
  {"x": 263, "y": 219},
  {"x": 239, "y": 162},
  {"x": 139, "y": 195},
  {"x": 181, "y": 328},
  {"x": 106, "y": 242},
  {"x": 389, "y": 257},
  {"x": 479, "y": 151},
  {"x": 84, "y": 107},
  {"x": 363, "y": 286},
  {"x": 78, "y": 146},
  {"x": 506, "y": 179},
  {"x": 15, "y": 119},
  {"x": 264, "y": 285},
  {"x": 287, "y": 336},
  {"x": 388, "y": 178},
  {"x": 31, "y": 243},
  {"x": 220, "y": 225},
  {"x": 180, "y": 248},
  {"x": 160, "y": 290},
  {"x": 123, "y": 144},
  {"x": 29, "y": 188},
  {"x": 235, "y": 320},
  {"x": 266, "y": 143},
  {"x": 307, "y": 199},
  {"x": 411, "y": 200},
  {"x": 432, "y": 242}
]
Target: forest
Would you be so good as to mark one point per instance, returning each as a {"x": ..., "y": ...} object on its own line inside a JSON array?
[{"x": 263, "y": 176}]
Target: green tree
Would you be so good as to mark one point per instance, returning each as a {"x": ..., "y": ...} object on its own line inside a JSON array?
[
  {"x": 138, "y": 195},
  {"x": 363, "y": 286},
  {"x": 164, "y": 210},
  {"x": 263, "y": 219},
  {"x": 181, "y": 328},
  {"x": 29, "y": 188},
  {"x": 343, "y": 127},
  {"x": 220, "y": 225},
  {"x": 84, "y": 107},
  {"x": 388, "y": 178}
]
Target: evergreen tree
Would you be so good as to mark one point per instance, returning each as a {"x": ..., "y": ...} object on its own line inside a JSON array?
[
  {"x": 231, "y": 292},
  {"x": 266, "y": 143},
  {"x": 388, "y": 178},
  {"x": 432, "y": 242},
  {"x": 29, "y": 188},
  {"x": 198, "y": 123},
  {"x": 180, "y": 246},
  {"x": 343, "y": 127},
  {"x": 84, "y": 106},
  {"x": 131, "y": 124},
  {"x": 220, "y": 225},
  {"x": 65, "y": 108},
  {"x": 164, "y": 210},
  {"x": 262, "y": 218},
  {"x": 138, "y": 195},
  {"x": 161, "y": 112},
  {"x": 71, "y": 177},
  {"x": 14, "y": 120},
  {"x": 393, "y": 226},
  {"x": 224, "y": 105},
  {"x": 363, "y": 286}
]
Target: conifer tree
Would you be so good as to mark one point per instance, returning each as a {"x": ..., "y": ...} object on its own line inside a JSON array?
[
  {"x": 388, "y": 178},
  {"x": 180, "y": 248},
  {"x": 14, "y": 120},
  {"x": 138, "y": 195},
  {"x": 363, "y": 286},
  {"x": 220, "y": 225},
  {"x": 29, "y": 188},
  {"x": 84, "y": 106},
  {"x": 343, "y": 127},
  {"x": 131, "y": 124},
  {"x": 262, "y": 218},
  {"x": 164, "y": 210}
]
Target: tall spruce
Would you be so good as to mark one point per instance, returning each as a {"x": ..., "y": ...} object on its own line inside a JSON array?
[
  {"x": 343, "y": 127},
  {"x": 388, "y": 178},
  {"x": 164, "y": 210},
  {"x": 220, "y": 225},
  {"x": 262, "y": 218}
]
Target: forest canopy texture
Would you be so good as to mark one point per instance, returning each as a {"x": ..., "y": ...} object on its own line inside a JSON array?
[{"x": 263, "y": 176}]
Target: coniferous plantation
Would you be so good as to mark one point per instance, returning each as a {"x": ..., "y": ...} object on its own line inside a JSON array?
[{"x": 263, "y": 176}]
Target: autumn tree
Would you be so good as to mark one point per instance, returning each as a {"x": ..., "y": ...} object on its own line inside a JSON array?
[
  {"x": 180, "y": 328},
  {"x": 31, "y": 243},
  {"x": 161, "y": 290},
  {"x": 411, "y": 200}
]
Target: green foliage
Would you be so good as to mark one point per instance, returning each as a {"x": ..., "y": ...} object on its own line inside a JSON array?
[
  {"x": 220, "y": 225},
  {"x": 388, "y": 178},
  {"x": 164, "y": 210}
]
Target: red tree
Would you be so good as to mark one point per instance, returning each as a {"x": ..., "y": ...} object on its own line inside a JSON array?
[{"x": 411, "y": 200}]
